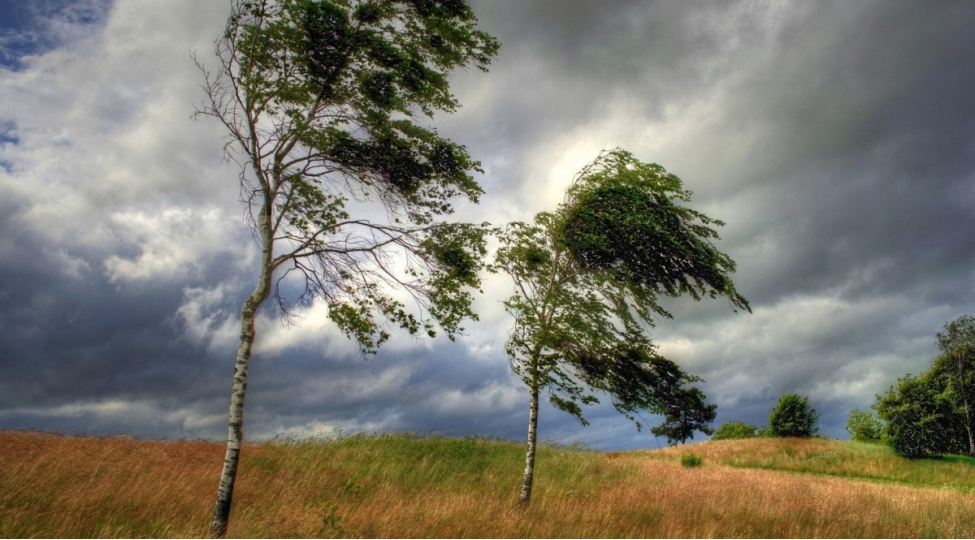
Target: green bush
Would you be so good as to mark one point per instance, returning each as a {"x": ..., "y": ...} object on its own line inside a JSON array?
[
  {"x": 863, "y": 426},
  {"x": 691, "y": 460},
  {"x": 735, "y": 430},
  {"x": 793, "y": 417}
]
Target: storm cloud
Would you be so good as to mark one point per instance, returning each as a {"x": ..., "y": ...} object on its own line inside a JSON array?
[{"x": 835, "y": 139}]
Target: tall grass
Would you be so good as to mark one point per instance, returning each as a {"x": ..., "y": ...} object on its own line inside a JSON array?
[{"x": 408, "y": 486}]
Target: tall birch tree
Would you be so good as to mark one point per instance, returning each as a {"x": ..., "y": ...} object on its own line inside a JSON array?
[
  {"x": 587, "y": 278},
  {"x": 325, "y": 104},
  {"x": 957, "y": 363}
]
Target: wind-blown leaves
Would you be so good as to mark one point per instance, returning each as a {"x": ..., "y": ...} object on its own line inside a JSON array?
[{"x": 587, "y": 278}]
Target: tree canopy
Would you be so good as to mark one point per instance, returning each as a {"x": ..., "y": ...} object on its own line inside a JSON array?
[
  {"x": 793, "y": 417},
  {"x": 929, "y": 415},
  {"x": 684, "y": 413}
]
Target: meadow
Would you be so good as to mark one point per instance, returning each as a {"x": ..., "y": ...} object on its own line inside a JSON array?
[{"x": 404, "y": 485}]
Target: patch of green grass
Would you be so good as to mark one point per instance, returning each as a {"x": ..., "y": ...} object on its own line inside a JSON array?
[{"x": 848, "y": 459}]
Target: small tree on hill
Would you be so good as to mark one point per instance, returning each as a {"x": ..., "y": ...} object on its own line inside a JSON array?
[
  {"x": 735, "y": 429},
  {"x": 793, "y": 417},
  {"x": 684, "y": 413},
  {"x": 863, "y": 426},
  {"x": 587, "y": 278},
  {"x": 324, "y": 102}
]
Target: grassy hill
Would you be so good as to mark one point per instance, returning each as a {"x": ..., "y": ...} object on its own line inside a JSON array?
[{"x": 408, "y": 486}]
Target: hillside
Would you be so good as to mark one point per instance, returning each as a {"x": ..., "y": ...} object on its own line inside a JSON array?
[{"x": 408, "y": 486}]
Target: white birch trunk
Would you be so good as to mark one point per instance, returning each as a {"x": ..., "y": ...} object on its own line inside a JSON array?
[
  {"x": 968, "y": 426},
  {"x": 526, "y": 487},
  {"x": 235, "y": 434}
]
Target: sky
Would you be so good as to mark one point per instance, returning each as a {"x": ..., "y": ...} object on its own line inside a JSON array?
[{"x": 836, "y": 140}]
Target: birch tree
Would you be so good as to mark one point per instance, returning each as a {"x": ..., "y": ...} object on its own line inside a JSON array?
[
  {"x": 587, "y": 278},
  {"x": 325, "y": 105},
  {"x": 957, "y": 363}
]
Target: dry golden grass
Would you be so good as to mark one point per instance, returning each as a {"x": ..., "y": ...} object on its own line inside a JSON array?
[{"x": 401, "y": 486}]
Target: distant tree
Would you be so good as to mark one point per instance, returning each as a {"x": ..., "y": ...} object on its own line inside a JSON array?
[
  {"x": 587, "y": 278},
  {"x": 793, "y": 417},
  {"x": 735, "y": 429},
  {"x": 863, "y": 426},
  {"x": 344, "y": 185},
  {"x": 919, "y": 422},
  {"x": 684, "y": 413},
  {"x": 957, "y": 366}
]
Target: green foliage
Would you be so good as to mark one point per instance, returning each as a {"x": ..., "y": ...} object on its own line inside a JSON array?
[
  {"x": 326, "y": 105},
  {"x": 734, "y": 429},
  {"x": 956, "y": 369},
  {"x": 330, "y": 520},
  {"x": 691, "y": 459},
  {"x": 685, "y": 412},
  {"x": 580, "y": 319},
  {"x": 621, "y": 217},
  {"x": 863, "y": 426},
  {"x": 920, "y": 421},
  {"x": 793, "y": 417},
  {"x": 930, "y": 415}
]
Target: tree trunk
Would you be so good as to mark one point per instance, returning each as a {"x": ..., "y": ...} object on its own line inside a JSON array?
[
  {"x": 235, "y": 435},
  {"x": 526, "y": 487},
  {"x": 968, "y": 418},
  {"x": 968, "y": 426}
]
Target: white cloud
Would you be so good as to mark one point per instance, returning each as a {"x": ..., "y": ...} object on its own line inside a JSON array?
[{"x": 174, "y": 243}]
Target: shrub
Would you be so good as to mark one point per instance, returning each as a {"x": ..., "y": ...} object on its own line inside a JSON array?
[
  {"x": 863, "y": 426},
  {"x": 793, "y": 417},
  {"x": 735, "y": 430},
  {"x": 691, "y": 460}
]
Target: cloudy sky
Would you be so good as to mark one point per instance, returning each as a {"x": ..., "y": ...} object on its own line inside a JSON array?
[{"x": 835, "y": 139}]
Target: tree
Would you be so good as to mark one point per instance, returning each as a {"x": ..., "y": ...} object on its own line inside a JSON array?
[
  {"x": 684, "y": 413},
  {"x": 344, "y": 186},
  {"x": 587, "y": 278},
  {"x": 957, "y": 364},
  {"x": 919, "y": 421},
  {"x": 735, "y": 429},
  {"x": 863, "y": 426},
  {"x": 793, "y": 417}
]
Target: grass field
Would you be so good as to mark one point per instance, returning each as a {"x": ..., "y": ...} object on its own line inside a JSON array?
[{"x": 408, "y": 486}]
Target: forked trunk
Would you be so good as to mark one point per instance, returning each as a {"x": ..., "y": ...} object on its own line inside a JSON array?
[
  {"x": 526, "y": 487},
  {"x": 235, "y": 434}
]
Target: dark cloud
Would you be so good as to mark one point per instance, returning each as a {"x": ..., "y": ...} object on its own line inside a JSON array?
[{"x": 836, "y": 139}]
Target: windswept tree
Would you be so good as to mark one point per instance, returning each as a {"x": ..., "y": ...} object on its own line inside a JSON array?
[
  {"x": 325, "y": 103},
  {"x": 587, "y": 278},
  {"x": 957, "y": 366},
  {"x": 684, "y": 413}
]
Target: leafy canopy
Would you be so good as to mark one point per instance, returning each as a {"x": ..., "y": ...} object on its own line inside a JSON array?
[
  {"x": 735, "y": 429},
  {"x": 587, "y": 278},
  {"x": 793, "y": 417},
  {"x": 684, "y": 413},
  {"x": 863, "y": 426},
  {"x": 326, "y": 105}
]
